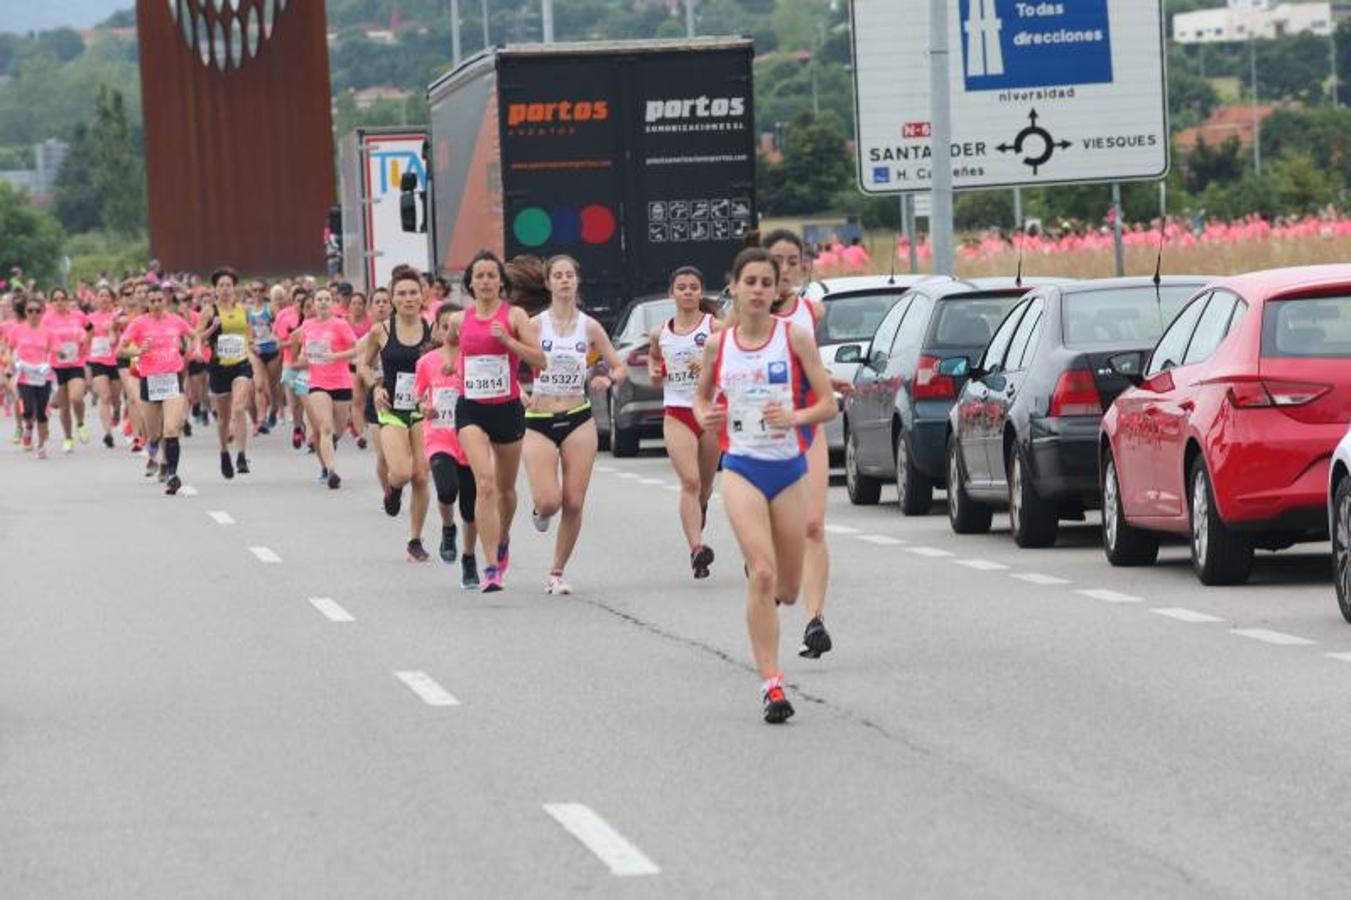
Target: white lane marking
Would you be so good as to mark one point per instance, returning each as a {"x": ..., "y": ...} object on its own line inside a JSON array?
[
  {"x": 881, "y": 540},
  {"x": 188, "y": 490},
  {"x": 611, "y": 847},
  {"x": 1267, "y": 636},
  {"x": 629, "y": 475},
  {"x": 840, "y": 529},
  {"x": 656, "y": 481},
  {"x": 673, "y": 487},
  {"x": 981, "y": 565},
  {"x": 426, "y": 687},
  {"x": 1038, "y": 578},
  {"x": 265, "y": 555},
  {"x": 931, "y": 552},
  {"x": 1344, "y": 657},
  {"x": 605, "y": 468},
  {"x": 1185, "y": 615},
  {"x": 221, "y": 517},
  {"x": 1107, "y": 596},
  {"x": 331, "y": 609}
]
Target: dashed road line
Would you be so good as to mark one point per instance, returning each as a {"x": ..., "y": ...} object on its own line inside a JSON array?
[
  {"x": 331, "y": 609},
  {"x": 188, "y": 490},
  {"x": 930, "y": 552},
  {"x": 981, "y": 565},
  {"x": 673, "y": 487},
  {"x": 221, "y": 517},
  {"x": 426, "y": 688},
  {"x": 1267, "y": 636},
  {"x": 605, "y": 468},
  {"x": 629, "y": 475},
  {"x": 1185, "y": 615},
  {"x": 840, "y": 529},
  {"x": 265, "y": 555},
  {"x": 1039, "y": 578},
  {"x": 881, "y": 540},
  {"x": 1344, "y": 657},
  {"x": 1107, "y": 596},
  {"x": 656, "y": 481},
  {"x": 597, "y": 835}
]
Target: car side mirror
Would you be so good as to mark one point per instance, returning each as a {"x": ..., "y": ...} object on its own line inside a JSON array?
[
  {"x": 849, "y": 353},
  {"x": 955, "y": 367},
  {"x": 1130, "y": 366},
  {"x": 408, "y": 201}
]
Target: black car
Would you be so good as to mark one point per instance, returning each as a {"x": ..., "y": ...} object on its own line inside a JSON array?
[
  {"x": 1024, "y": 431},
  {"x": 896, "y": 421}
]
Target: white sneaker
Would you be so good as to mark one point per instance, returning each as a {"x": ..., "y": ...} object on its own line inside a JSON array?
[
  {"x": 556, "y": 584},
  {"x": 541, "y": 522}
]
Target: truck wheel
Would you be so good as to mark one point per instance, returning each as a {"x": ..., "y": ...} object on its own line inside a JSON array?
[
  {"x": 966, "y": 516},
  {"x": 914, "y": 492},
  {"x": 1219, "y": 556},
  {"x": 1033, "y": 521},
  {"x": 1341, "y": 546},
  {"x": 1124, "y": 544},
  {"x": 623, "y": 441},
  {"x": 862, "y": 490}
]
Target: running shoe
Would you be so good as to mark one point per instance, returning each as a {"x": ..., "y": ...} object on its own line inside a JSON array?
[
  {"x": 151, "y": 467},
  {"x": 333, "y": 481},
  {"x": 323, "y": 476},
  {"x": 241, "y": 464},
  {"x": 297, "y": 438},
  {"x": 126, "y": 427},
  {"x": 263, "y": 429},
  {"x": 492, "y": 580},
  {"x": 226, "y": 468},
  {"x": 27, "y": 440},
  {"x": 777, "y": 709},
  {"x": 67, "y": 445},
  {"x": 272, "y": 419},
  {"x": 416, "y": 552},
  {"x": 393, "y": 501},
  {"x": 187, "y": 428},
  {"x": 83, "y": 431},
  {"x": 556, "y": 584},
  {"x": 503, "y": 556},
  {"x": 136, "y": 445},
  {"x": 541, "y": 522},
  {"x": 361, "y": 442},
  {"x": 468, "y": 572},
  {"x": 108, "y": 441},
  {"x": 700, "y": 560},
  {"x": 173, "y": 485},
  {"x": 447, "y": 549},
  {"x": 815, "y": 640},
  {"x": 41, "y": 453}
]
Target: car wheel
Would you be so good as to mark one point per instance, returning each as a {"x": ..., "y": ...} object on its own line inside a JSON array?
[
  {"x": 862, "y": 489},
  {"x": 914, "y": 492},
  {"x": 1219, "y": 556},
  {"x": 966, "y": 516},
  {"x": 1341, "y": 546},
  {"x": 623, "y": 441},
  {"x": 1033, "y": 521},
  {"x": 1124, "y": 544}
]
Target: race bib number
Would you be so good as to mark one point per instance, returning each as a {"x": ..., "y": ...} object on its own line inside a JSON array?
[
  {"x": 565, "y": 375},
  {"x": 746, "y": 425},
  {"x": 317, "y": 351},
  {"x": 33, "y": 374},
  {"x": 68, "y": 352},
  {"x": 404, "y": 399},
  {"x": 230, "y": 348},
  {"x": 262, "y": 332},
  {"x": 443, "y": 402},
  {"x": 101, "y": 346},
  {"x": 162, "y": 387},
  {"x": 487, "y": 377},
  {"x": 680, "y": 372}
]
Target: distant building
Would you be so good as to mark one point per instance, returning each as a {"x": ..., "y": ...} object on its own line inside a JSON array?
[
  {"x": 1242, "y": 20},
  {"x": 25, "y": 180},
  {"x": 1224, "y": 123},
  {"x": 365, "y": 98},
  {"x": 51, "y": 155}
]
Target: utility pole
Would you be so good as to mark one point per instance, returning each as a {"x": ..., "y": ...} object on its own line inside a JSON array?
[
  {"x": 1336, "y": 100},
  {"x": 1119, "y": 250},
  {"x": 908, "y": 223},
  {"x": 689, "y": 18},
  {"x": 487, "y": 41},
  {"x": 548, "y": 21},
  {"x": 940, "y": 115},
  {"x": 1256, "y": 114},
  {"x": 455, "y": 34}
]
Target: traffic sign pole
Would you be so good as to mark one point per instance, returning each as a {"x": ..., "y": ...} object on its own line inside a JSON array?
[
  {"x": 1116, "y": 230},
  {"x": 940, "y": 117}
]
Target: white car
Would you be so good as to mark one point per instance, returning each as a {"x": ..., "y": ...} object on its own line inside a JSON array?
[
  {"x": 1339, "y": 522},
  {"x": 855, "y": 306}
]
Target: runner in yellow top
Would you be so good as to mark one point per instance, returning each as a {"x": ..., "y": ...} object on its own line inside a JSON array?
[{"x": 225, "y": 323}]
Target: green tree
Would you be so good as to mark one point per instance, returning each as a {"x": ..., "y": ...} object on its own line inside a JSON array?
[
  {"x": 119, "y": 174},
  {"x": 28, "y": 238},
  {"x": 76, "y": 201},
  {"x": 816, "y": 167},
  {"x": 1224, "y": 163}
]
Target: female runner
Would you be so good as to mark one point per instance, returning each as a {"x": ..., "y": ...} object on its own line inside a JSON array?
[
  {"x": 34, "y": 347},
  {"x": 560, "y": 431},
  {"x": 358, "y": 316},
  {"x": 397, "y": 345},
  {"x": 133, "y": 305},
  {"x": 757, "y": 369},
  {"x": 490, "y": 417},
  {"x": 103, "y": 359},
  {"x": 68, "y": 325},
  {"x": 439, "y": 386},
  {"x": 287, "y": 321},
  {"x": 160, "y": 340},
  {"x": 325, "y": 344},
  {"x": 263, "y": 342},
  {"x": 677, "y": 350},
  {"x": 225, "y": 324}
]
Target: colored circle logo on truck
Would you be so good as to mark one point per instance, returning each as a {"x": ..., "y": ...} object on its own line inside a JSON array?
[{"x": 564, "y": 226}]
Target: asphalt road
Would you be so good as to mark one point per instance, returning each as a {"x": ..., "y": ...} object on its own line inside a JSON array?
[{"x": 178, "y": 718}]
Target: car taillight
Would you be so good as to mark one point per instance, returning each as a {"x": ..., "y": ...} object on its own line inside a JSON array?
[
  {"x": 929, "y": 385},
  {"x": 637, "y": 357},
  {"x": 1076, "y": 394},
  {"x": 1259, "y": 394}
]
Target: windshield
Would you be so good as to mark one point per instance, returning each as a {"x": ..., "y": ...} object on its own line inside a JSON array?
[
  {"x": 1121, "y": 315},
  {"x": 1313, "y": 327},
  {"x": 970, "y": 321},
  {"x": 854, "y": 318}
]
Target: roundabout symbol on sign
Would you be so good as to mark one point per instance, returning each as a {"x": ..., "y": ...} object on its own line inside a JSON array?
[{"x": 1049, "y": 145}]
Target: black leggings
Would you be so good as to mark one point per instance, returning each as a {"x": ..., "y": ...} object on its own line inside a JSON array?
[
  {"x": 453, "y": 478},
  {"x": 35, "y": 398}
]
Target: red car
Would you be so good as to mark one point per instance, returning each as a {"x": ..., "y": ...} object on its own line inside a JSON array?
[{"x": 1228, "y": 429}]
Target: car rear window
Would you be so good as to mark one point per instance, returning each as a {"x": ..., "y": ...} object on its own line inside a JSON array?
[
  {"x": 1121, "y": 315},
  {"x": 854, "y": 318},
  {"x": 656, "y": 313},
  {"x": 1315, "y": 327},
  {"x": 970, "y": 321}
]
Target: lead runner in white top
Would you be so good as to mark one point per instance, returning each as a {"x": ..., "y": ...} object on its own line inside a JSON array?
[{"x": 558, "y": 401}]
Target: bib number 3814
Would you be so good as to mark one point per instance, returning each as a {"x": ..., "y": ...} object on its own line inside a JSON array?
[{"x": 487, "y": 377}]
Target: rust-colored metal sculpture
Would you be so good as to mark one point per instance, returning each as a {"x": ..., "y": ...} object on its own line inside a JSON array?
[{"x": 238, "y": 133}]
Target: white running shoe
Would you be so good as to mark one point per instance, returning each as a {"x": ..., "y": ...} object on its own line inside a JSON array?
[
  {"x": 556, "y": 584},
  {"x": 541, "y": 522}
]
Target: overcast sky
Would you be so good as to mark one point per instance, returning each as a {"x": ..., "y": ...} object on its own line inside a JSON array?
[{"x": 38, "y": 15}]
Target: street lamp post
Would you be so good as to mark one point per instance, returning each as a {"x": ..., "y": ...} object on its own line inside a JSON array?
[
  {"x": 940, "y": 213},
  {"x": 548, "y": 21}
]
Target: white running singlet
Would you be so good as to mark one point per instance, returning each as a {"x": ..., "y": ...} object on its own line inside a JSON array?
[
  {"x": 750, "y": 378},
  {"x": 565, "y": 373},
  {"x": 678, "y": 353}
]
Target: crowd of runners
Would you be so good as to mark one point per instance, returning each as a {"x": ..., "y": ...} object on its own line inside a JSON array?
[{"x": 454, "y": 397}]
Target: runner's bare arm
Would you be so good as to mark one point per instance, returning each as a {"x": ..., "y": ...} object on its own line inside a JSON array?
[{"x": 709, "y": 414}]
